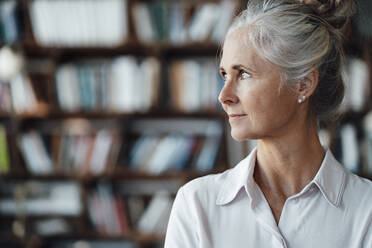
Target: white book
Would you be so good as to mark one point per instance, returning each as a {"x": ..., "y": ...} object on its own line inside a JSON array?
[
  {"x": 209, "y": 89},
  {"x": 80, "y": 147},
  {"x": 154, "y": 212},
  {"x": 26, "y": 147},
  {"x": 68, "y": 92},
  {"x": 73, "y": 32},
  {"x": 226, "y": 12},
  {"x": 203, "y": 22},
  {"x": 358, "y": 83},
  {"x": 190, "y": 86},
  {"x": 53, "y": 226},
  {"x": 124, "y": 77},
  {"x": 92, "y": 38},
  {"x": 35, "y": 154},
  {"x": 101, "y": 151},
  {"x": 47, "y": 199},
  {"x": 159, "y": 161},
  {"x": 45, "y": 162},
  {"x": 102, "y": 14},
  {"x": 18, "y": 94},
  {"x": 143, "y": 24},
  {"x": 23, "y": 97},
  {"x": 350, "y": 147},
  {"x": 115, "y": 15},
  {"x": 182, "y": 151},
  {"x": 150, "y": 72},
  {"x": 177, "y": 29},
  {"x": 367, "y": 126},
  {"x": 39, "y": 16},
  {"x": 208, "y": 154},
  {"x": 144, "y": 152},
  {"x": 59, "y": 28}
]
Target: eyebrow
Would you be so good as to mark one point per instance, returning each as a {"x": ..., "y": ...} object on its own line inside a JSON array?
[{"x": 238, "y": 67}]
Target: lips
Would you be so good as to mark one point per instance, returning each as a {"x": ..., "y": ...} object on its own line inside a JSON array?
[{"x": 236, "y": 116}]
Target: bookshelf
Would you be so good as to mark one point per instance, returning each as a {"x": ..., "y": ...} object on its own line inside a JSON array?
[
  {"x": 54, "y": 133},
  {"x": 59, "y": 135}
]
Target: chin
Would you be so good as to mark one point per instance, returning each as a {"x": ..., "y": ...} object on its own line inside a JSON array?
[{"x": 240, "y": 135}]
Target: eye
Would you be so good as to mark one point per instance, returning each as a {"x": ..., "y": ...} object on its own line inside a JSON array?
[
  {"x": 244, "y": 74},
  {"x": 224, "y": 75}
]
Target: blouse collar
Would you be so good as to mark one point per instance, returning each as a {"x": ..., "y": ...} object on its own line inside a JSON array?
[{"x": 330, "y": 180}]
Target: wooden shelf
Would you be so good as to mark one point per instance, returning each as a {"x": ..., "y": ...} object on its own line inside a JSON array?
[
  {"x": 131, "y": 48},
  {"x": 152, "y": 114},
  {"x": 118, "y": 174},
  {"x": 88, "y": 236}
]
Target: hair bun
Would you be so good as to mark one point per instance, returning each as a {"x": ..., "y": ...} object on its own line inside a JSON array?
[{"x": 335, "y": 12}]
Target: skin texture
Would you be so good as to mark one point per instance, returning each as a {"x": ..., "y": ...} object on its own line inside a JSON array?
[{"x": 289, "y": 152}]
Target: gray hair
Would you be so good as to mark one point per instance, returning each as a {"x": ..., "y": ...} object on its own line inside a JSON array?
[{"x": 300, "y": 37}]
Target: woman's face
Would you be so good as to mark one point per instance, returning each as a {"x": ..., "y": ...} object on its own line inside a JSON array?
[{"x": 257, "y": 108}]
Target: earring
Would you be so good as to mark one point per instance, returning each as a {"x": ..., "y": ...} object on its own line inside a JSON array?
[{"x": 302, "y": 99}]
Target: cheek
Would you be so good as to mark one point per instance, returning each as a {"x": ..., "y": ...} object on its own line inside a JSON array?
[
  {"x": 257, "y": 100},
  {"x": 266, "y": 107}
]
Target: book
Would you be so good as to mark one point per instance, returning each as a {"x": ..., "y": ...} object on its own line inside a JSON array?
[
  {"x": 23, "y": 95},
  {"x": 108, "y": 85},
  {"x": 168, "y": 21},
  {"x": 9, "y": 22},
  {"x": 367, "y": 130},
  {"x": 203, "y": 22},
  {"x": 4, "y": 151},
  {"x": 35, "y": 154},
  {"x": 194, "y": 85},
  {"x": 350, "y": 148},
  {"x": 84, "y": 23},
  {"x": 356, "y": 85},
  {"x": 143, "y": 23},
  {"x": 156, "y": 215},
  {"x": 107, "y": 211},
  {"x": 41, "y": 198}
]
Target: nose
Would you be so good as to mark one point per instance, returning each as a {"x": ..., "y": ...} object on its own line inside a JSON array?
[{"x": 227, "y": 94}]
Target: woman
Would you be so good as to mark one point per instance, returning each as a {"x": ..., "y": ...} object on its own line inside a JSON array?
[{"x": 281, "y": 63}]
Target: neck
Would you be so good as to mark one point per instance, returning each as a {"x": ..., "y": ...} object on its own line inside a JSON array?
[{"x": 287, "y": 163}]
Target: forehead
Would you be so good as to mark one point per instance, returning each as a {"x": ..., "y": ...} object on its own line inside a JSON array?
[{"x": 238, "y": 50}]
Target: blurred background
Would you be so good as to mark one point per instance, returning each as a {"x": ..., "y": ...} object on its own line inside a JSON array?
[{"x": 107, "y": 107}]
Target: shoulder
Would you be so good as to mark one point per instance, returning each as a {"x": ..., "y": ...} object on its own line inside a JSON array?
[
  {"x": 205, "y": 189},
  {"x": 358, "y": 192}
]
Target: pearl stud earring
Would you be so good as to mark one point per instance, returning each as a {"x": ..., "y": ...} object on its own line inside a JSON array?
[{"x": 302, "y": 99}]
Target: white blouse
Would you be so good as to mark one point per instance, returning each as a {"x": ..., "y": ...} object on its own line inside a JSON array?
[{"x": 229, "y": 210}]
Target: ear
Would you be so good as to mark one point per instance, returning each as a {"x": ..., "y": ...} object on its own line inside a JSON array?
[{"x": 307, "y": 85}]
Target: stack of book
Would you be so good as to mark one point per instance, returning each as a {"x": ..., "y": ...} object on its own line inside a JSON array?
[
  {"x": 194, "y": 85},
  {"x": 79, "y": 23},
  {"x": 121, "y": 85},
  {"x": 40, "y": 198},
  {"x": 167, "y": 21},
  {"x": 166, "y": 145},
  {"x": 93, "y": 244},
  {"x": 108, "y": 212},
  {"x": 84, "y": 152},
  {"x": 116, "y": 215},
  {"x": 173, "y": 152}
]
